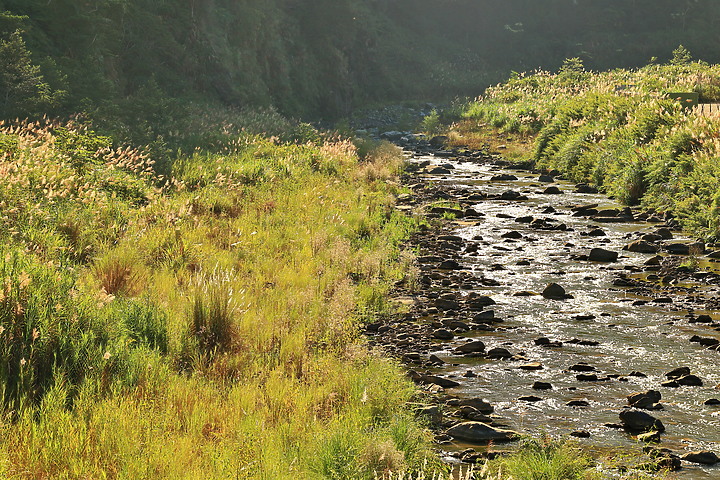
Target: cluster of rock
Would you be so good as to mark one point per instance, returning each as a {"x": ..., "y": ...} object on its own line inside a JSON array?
[{"x": 454, "y": 309}]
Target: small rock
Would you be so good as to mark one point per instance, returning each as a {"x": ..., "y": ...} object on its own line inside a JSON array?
[
  {"x": 439, "y": 381},
  {"x": 640, "y": 246},
  {"x": 530, "y": 398},
  {"x": 504, "y": 177},
  {"x": 582, "y": 367},
  {"x": 678, "y": 372},
  {"x": 449, "y": 265},
  {"x": 580, "y": 434},
  {"x": 690, "y": 381},
  {"x": 578, "y": 403},
  {"x": 499, "y": 353},
  {"x": 554, "y": 292},
  {"x": 482, "y": 406},
  {"x": 531, "y": 366},
  {"x": 712, "y": 402},
  {"x": 552, "y": 190},
  {"x": 542, "y": 386},
  {"x": 443, "y": 334},
  {"x": 649, "y": 437}
]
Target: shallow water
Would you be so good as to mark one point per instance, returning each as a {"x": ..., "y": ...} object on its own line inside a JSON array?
[{"x": 650, "y": 338}]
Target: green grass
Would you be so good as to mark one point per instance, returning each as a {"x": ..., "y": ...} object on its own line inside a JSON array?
[
  {"x": 542, "y": 459},
  {"x": 201, "y": 325}
]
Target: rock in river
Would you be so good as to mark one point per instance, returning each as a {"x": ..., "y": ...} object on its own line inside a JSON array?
[
  {"x": 477, "y": 432},
  {"x": 476, "y": 346},
  {"x": 637, "y": 421},
  {"x": 704, "y": 457},
  {"x": 482, "y": 406},
  {"x": 555, "y": 292},
  {"x": 646, "y": 400},
  {"x": 640, "y": 246},
  {"x": 602, "y": 255}
]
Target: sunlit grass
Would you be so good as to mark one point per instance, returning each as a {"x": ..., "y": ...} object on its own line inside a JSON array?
[{"x": 203, "y": 325}]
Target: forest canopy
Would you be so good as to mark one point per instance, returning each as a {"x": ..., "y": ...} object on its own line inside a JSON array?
[{"x": 319, "y": 58}]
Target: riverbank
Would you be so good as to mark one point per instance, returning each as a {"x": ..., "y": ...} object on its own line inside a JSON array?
[
  {"x": 621, "y": 131},
  {"x": 491, "y": 345}
]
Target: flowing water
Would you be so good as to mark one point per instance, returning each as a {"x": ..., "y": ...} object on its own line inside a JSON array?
[{"x": 633, "y": 336}]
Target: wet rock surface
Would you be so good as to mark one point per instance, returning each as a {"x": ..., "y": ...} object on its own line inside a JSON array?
[{"x": 557, "y": 311}]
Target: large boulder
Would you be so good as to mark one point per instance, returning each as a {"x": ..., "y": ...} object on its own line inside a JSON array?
[
  {"x": 478, "y": 432},
  {"x": 637, "y": 421}
]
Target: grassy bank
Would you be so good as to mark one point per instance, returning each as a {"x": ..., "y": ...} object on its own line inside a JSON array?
[
  {"x": 617, "y": 130},
  {"x": 201, "y": 325}
]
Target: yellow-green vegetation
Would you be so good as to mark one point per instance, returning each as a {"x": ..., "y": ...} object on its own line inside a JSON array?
[
  {"x": 200, "y": 325},
  {"x": 541, "y": 459},
  {"x": 620, "y": 131}
]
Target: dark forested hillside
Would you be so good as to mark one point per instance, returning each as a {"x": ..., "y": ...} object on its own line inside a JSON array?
[{"x": 320, "y": 57}]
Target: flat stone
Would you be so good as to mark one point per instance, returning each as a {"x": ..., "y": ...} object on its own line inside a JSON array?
[
  {"x": 542, "y": 386},
  {"x": 475, "y": 346},
  {"x": 678, "y": 372},
  {"x": 530, "y": 398},
  {"x": 504, "y": 177},
  {"x": 439, "y": 381},
  {"x": 531, "y": 366},
  {"x": 478, "y": 432},
  {"x": 482, "y": 406},
  {"x": 703, "y": 457}
]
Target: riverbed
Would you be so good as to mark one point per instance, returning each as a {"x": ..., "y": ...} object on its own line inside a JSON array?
[{"x": 621, "y": 328}]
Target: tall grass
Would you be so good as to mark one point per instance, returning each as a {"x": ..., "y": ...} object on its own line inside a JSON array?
[{"x": 202, "y": 324}]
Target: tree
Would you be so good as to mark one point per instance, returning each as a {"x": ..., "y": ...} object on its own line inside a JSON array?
[{"x": 23, "y": 90}]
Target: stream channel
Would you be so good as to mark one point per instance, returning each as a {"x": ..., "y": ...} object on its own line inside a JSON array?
[{"x": 624, "y": 325}]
